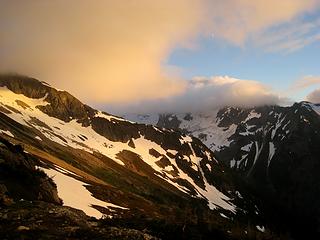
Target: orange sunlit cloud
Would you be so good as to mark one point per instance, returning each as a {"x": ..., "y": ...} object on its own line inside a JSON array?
[
  {"x": 99, "y": 50},
  {"x": 116, "y": 51}
]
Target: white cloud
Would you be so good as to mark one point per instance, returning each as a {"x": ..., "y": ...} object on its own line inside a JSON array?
[
  {"x": 241, "y": 20},
  {"x": 314, "y": 96},
  {"x": 204, "y": 93},
  {"x": 305, "y": 82},
  {"x": 290, "y": 36}
]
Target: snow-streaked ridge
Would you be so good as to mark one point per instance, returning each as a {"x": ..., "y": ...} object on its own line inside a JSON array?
[{"x": 74, "y": 134}]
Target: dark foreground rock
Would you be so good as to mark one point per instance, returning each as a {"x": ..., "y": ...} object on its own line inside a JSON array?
[{"x": 41, "y": 220}]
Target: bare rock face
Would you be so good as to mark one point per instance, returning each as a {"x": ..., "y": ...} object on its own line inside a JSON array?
[{"x": 116, "y": 131}]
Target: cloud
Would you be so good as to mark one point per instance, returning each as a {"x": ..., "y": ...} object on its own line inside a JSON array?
[
  {"x": 314, "y": 96},
  {"x": 101, "y": 51},
  {"x": 240, "y": 20},
  {"x": 290, "y": 36},
  {"x": 206, "y": 93},
  {"x": 305, "y": 82},
  {"x": 116, "y": 51}
]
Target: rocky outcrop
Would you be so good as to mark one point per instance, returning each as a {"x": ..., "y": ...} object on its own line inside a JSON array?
[
  {"x": 117, "y": 131},
  {"x": 19, "y": 178},
  {"x": 168, "y": 121},
  {"x": 41, "y": 220}
]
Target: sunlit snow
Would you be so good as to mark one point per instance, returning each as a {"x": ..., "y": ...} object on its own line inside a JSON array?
[
  {"x": 7, "y": 132},
  {"x": 74, "y": 194},
  {"x": 261, "y": 229}
]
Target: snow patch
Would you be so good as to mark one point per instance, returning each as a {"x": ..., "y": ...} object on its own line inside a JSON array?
[
  {"x": 247, "y": 147},
  {"x": 38, "y": 138},
  {"x": 109, "y": 117},
  {"x": 74, "y": 194},
  {"x": 261, "y": 229},
  {"x": 239, "y": 194},
  {"x": 232, "y": 163},
  {"x": 224, "y": 216},
  {"x": 169, "y": 168},
  {"x": 272, "y": 150},
  {"x": 185, "y": 139},
  {"x": 173, "y": 152},
  {"x": 208, "y": 166},
  {"x": 7, "y": 132},
  {"x": 257, "y": 154},
  {"x": 251, "y": 115}
]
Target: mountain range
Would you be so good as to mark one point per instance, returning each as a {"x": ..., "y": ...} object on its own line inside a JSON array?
[
  {"x": 273, "y": 149},
  {"x": 232, "y": 173}
]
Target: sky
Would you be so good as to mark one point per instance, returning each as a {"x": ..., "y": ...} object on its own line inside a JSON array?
[{"x": 165, "y": 56}]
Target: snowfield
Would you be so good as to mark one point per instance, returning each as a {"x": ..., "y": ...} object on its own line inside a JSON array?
[{"x": 74, "y": 193}]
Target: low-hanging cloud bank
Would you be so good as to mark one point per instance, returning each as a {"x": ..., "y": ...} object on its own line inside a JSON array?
[
  {"x": 305, "y": 83},
  {"x": 115, "y": 51},
  {"x": 102, "y": 51},
  {"x": 314, "y": 96},
  {"x": 207, "y": 93}
]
